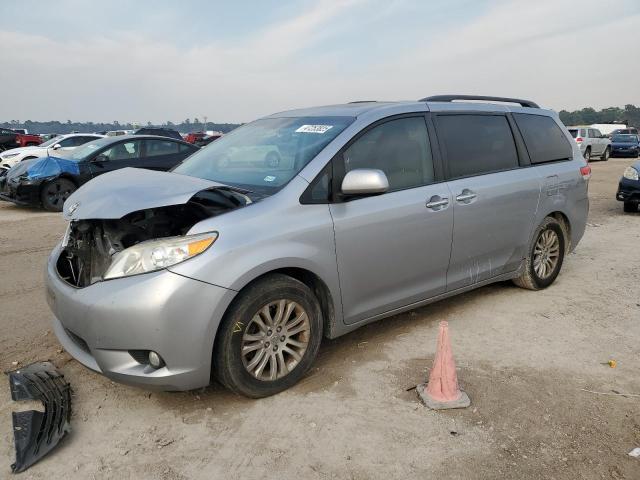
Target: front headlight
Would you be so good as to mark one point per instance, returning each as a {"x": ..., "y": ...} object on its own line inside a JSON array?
[
  {"x": 10, "y": 155},
  {"x": 155, "y": 255},
  {"x": 630, "y": 173}
]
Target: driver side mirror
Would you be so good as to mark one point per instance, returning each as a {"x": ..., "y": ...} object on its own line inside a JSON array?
[
  {"x": 56, "y": 146},
  {"x": 101, "y": 158},
  {"x": 364, "y": 181}
]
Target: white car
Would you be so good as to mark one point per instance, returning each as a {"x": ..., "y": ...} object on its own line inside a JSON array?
[
  {"x": 59, "y": 146},
  {"x": 591, "y": 142}
]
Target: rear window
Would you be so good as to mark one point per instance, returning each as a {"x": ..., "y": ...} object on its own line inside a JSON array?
[
  {"x": 573, "y": 132},
  {"x": 543, "y": 137},
  {"x": 477, "y": 144}
]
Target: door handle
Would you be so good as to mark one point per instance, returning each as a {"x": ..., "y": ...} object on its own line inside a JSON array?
[
  {"x": 466, "y": 196},
  {"x": 436, "y": 202}
]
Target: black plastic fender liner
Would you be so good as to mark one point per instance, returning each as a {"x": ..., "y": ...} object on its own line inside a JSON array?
[{"x": 37, "y": 433}]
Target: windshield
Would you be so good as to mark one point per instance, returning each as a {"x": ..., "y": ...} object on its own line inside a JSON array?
[
  {"x": 85, "y": 151},
  {"x": 573, "y": 132},
  {"x": 263, "y": 156},
  {"x": 624, "y": 138},
  {"x": 51, "y": 142}
]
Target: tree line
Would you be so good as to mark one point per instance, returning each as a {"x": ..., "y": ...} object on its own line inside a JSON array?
[
  {"x": 55, "y": 126},
  {"x": 629, "y": 115}
]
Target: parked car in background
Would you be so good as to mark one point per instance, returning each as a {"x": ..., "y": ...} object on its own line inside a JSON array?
[
  {"x": 625, "y": 145},
  {"x": 116, "y": 133},
  {"x": 22, "y": 131},
  {"x": 60, "y": 146},
  {"x": 12, "y": 139},
  {"x": 625, "y": 131},
  {"x": 48, "y": 136},
  {"x": 591, "y": 142},
  {"x": 607, "y": 128},
  {"x": 161, "y": 132},
  {"x": 49, "y": 181},
  {"x": 240, "y": 268},
  {"x": 629, "y": 188}
]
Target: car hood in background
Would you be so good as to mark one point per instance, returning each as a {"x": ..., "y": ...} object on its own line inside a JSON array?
[
  {"x": 13, "y": 151},
  {"x": 115, "y": 194}
]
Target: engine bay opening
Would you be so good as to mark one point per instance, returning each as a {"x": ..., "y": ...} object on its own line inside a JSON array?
[{"x": 90, "y": 245}]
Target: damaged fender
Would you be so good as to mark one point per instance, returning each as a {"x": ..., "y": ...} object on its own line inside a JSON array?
[{"x": 37, "y": 433}]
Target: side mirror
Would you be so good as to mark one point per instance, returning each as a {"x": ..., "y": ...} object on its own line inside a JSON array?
[
  {"x": 364, "y": 181},
  {"x": 101, "y": 158},
  {"x": 56, "y": 146}
]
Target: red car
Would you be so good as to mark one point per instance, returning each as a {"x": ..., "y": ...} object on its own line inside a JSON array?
[{"x": 12, "y": 139}]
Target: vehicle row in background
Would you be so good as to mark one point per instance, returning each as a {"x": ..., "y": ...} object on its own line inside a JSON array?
[
  {"x": 61, "y": 145},
  {"x": 48, "y": 181}
]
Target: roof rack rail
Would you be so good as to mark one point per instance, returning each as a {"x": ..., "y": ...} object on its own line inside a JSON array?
[
  {"x": 451, "y": 98},
  {"x": 364, "y": 101}
]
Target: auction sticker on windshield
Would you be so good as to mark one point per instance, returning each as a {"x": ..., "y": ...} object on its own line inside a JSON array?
[{"x": 314, "y": 128}]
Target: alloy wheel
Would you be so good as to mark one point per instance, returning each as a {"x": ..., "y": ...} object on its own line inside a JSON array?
[
  {"x": 546, "y": 253},
  {"x": 275, "y": 340}
]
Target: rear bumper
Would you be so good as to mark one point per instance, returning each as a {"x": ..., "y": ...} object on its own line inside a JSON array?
[
  {"x": 616, "y": 152},
  {"x": 175, "y": 316},
  {"x": 628, "y": 190}
]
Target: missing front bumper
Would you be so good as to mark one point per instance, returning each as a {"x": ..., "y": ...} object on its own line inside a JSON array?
[{"x": 37, "y": 433}]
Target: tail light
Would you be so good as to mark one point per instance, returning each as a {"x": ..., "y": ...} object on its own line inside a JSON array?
[
  {"x": 585, "y": 172},
  {"x": 579, "y": 139}
]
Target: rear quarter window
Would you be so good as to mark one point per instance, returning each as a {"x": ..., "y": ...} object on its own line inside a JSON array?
[{"x": 543, "y": 138}]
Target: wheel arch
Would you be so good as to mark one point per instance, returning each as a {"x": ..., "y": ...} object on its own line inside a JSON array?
[{"x": 566, "y": 226}]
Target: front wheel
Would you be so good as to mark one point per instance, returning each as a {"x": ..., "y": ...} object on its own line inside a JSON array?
[
  {"x": 269, "y": 337},
  {"x": 55, "y": 193},
  {"x": 606, "y": 154},
  {"x": 545, "y": 256}
]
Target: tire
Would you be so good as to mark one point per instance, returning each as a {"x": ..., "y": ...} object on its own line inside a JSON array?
[
  {"x": 630, "y": 207},
  {"x": 54, "y": 193},
  {"x": 606, "y": 154},
  {"x": 239, "y": 328},
  {"x": 587, "y": 154},
  {"x": 532, "y": 278}
]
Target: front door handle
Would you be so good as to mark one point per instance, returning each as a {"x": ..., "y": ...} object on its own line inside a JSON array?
[
  {"x": 436, "y": 202},
  {"x": 466, "y": 196}
]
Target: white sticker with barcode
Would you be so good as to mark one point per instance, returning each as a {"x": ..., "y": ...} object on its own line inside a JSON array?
[{"x": 314, "y": 128}]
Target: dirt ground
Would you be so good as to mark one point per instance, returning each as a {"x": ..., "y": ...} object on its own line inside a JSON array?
[{"x": 524, "y": 358}]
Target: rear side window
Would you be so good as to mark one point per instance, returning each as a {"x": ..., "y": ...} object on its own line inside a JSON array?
[
  {"x": 157, "y": 148},
  {"x": 477, "y": 144},
  {"x": 544, "y": 138},
  {"x": 573, "y": 132}
]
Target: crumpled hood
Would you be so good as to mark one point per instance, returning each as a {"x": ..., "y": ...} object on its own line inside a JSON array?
[
  {"x": 115, "y": 194},
  {"x": 46, "y": 167}
]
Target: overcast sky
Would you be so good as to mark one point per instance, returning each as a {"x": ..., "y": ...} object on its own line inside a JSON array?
[{"x": 234, "y": 61}]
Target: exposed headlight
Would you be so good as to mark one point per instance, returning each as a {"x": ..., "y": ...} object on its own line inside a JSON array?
[
  {"x": 155, "y": 255},
  {"x": 10, "y": 155},
  {"x": 630, "y": 173}
]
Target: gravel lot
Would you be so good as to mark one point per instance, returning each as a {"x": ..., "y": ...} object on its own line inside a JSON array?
[{"x": 523, "y": 357}]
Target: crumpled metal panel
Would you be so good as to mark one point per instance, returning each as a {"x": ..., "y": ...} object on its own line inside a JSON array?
[{"x": 37, "y": 433}]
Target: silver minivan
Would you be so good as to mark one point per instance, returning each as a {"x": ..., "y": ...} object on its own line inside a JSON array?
[{"x": 309, "y": 224}]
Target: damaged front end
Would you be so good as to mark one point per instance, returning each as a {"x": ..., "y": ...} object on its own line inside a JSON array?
[{"x": 91, "y": 246}]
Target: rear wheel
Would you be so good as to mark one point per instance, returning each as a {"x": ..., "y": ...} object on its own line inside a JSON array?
[
  {"x": 587, "y": 154},
  {"x": 269, "y": 337},
  {"x": 55, "y": 193},
  {"x": 545, "y": 257},
  {"x": 607, "y": 153},
  {"x": 630, "y": 207}
]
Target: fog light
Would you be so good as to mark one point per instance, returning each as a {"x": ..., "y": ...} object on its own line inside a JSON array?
[{"x": 155, "y": 360}]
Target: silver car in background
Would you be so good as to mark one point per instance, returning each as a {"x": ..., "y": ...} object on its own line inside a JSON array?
[
  {"x": 592, "y": 142},
  {"x": 309, "y": 224}
]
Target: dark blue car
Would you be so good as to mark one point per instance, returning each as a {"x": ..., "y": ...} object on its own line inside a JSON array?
[
  {"x": 49, "y": 181},
  {"x": 625, "y": 146},
  {"x": 629, "y": 188}
]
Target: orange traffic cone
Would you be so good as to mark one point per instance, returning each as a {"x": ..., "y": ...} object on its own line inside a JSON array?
[{"x": 442, "y": 391}]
